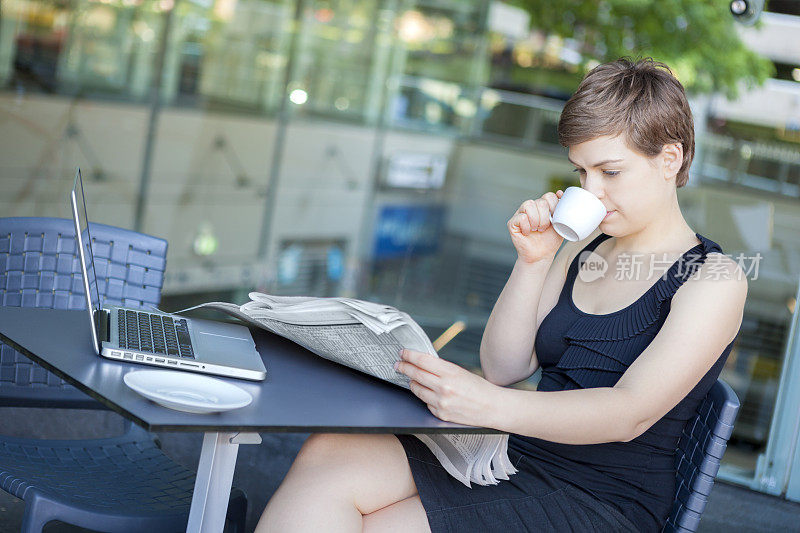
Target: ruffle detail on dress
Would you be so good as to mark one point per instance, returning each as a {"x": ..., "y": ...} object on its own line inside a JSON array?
[
  {"x": 618, "y": 326},
  {"x": 646, "y": 311},
  {"x": 591, "y": 367},
  {"x": 596, "y": 355},
  {"x": 580, "y": 355},
  {"x": 587, "y": 378}
]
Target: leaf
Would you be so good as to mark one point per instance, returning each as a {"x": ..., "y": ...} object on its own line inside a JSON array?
[{"x": 698, "y": 39}]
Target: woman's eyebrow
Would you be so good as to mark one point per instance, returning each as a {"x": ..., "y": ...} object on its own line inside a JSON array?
[{"x": 599, "y": 164}]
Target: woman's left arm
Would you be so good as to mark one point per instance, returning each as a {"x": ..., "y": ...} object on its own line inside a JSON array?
[{"x": 705, "y": 316}]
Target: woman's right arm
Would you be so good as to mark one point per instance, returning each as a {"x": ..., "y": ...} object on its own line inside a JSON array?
[{"x": 506, "y": 353}]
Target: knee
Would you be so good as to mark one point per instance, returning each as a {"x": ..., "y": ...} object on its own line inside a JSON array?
[{"x": 323, "y": 448}]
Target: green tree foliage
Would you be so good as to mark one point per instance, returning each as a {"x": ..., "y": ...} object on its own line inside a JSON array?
[{"x": 696, "y": 38}]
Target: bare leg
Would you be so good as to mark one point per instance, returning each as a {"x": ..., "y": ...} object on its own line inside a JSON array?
[
  {"x": 335, "y": 479},
  {"x": 400, "y": 517}
]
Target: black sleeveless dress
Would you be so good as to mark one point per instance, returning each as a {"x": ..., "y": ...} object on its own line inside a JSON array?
[{"x": 615, "y": 486}]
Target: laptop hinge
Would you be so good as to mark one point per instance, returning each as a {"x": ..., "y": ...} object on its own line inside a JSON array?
[{"x": 102, "y": 318}]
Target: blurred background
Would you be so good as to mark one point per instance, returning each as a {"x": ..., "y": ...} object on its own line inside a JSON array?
[{"x": 376, "y": 149}]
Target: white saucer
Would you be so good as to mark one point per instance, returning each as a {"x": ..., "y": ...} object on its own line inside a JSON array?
[{"x": 183, "y": 391}]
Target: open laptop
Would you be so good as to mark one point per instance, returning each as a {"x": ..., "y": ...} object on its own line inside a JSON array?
[{"x": 156, "y": 338}]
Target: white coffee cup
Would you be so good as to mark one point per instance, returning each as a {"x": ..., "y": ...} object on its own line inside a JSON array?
[{"x": 577, "y": 214}]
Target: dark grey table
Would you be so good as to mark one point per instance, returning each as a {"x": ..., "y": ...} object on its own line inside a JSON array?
[{"x": 303, "y": 393}]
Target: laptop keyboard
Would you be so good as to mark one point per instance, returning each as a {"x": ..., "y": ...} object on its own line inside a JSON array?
[{"x": 148, "y": 332}]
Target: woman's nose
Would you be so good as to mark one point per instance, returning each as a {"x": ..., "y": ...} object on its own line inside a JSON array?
[{"x": 593, "y": 185}]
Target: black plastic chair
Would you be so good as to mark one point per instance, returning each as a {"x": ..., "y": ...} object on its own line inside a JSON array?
[
  {"x": 698, "y": 456},
  {"x": 123, "y": 483}
]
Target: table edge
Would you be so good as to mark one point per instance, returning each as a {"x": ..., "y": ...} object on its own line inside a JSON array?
[
  {"x": 232, "y": 429},
  {"x": 77, "y": 384}
]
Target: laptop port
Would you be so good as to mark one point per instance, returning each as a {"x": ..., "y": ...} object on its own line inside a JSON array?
[
  {"x": 139, "y": 357},
  {"x": 172, "y": 363},
  {"x": 190, "y": 364},
  {"x": 159, "y": 360},
  {"x": 127, "y": 355}
]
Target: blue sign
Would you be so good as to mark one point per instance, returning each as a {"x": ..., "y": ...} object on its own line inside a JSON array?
[
  {"x": 335, "y": 263},
  {"x": 408, "y": 230}
]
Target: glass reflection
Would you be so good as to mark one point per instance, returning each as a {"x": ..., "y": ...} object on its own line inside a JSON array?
[{"x": 366, "y": 84}]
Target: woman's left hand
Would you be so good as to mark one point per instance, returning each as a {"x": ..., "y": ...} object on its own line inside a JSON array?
[{"x": 452, "y": 393}]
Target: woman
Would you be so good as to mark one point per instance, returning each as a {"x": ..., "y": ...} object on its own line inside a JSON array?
[{"x": 625, "y": 358}]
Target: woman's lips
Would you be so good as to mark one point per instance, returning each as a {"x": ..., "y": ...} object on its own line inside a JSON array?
[{"x": 608, "y": 214}]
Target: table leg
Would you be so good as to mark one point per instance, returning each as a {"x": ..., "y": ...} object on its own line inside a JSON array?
[{"x": 212, "y": 487}]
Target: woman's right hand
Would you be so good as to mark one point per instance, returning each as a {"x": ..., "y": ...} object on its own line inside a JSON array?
[{"x": 531, "y": 231}]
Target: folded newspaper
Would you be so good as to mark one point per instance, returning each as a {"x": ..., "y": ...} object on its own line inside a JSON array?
[{"x": 368, "y": 337}]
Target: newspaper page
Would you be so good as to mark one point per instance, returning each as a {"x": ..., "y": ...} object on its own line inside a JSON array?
[
  {"x": 335, "y": 334},
  {"x": 368, "y": 337}
]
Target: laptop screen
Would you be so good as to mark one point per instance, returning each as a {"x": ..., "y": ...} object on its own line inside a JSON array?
[{"x": 86, "y": 239}]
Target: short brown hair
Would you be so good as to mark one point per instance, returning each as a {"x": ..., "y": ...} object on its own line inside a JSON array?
[{"x": 640, "y": 98}]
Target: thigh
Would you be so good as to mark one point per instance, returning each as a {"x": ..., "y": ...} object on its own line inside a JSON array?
[
  {"x": 372, "y": 469},
  {"x": 407, "y": 516}
]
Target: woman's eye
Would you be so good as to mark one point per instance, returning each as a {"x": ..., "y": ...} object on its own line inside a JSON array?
[{"x": 606, "y": 172}]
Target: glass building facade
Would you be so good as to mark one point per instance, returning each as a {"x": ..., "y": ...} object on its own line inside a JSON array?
[{"x": 374, "y": 149}]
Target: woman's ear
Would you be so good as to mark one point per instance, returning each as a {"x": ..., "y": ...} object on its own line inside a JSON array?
[{"x": 673, "y": 159}]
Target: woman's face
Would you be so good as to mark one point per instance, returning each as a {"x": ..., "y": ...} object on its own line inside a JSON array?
[{"x": 630, "y": 185}]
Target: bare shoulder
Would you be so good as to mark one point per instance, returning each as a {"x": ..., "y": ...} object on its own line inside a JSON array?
[
  {"x": 717, "y": 288},
  {"x": 719, "y": 273}
]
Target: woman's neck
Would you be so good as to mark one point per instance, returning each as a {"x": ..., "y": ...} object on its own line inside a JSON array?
[{"x": 669, "y": 233}]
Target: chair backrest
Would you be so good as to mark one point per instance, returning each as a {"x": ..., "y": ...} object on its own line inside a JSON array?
[
  {"x": 39, "y": 267},
  {"x": 698, "y": 456}
]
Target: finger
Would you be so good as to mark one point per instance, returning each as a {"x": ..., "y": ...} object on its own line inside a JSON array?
[
  {"x": 559, "y": 193},
  {"x": 441, "y": 369},
  {"x": 417, "y": 374},
  {"x": 435, "y": 411},
  {"x": 533, "y": 214},
  {"x": 514, "y": 224},
  {"x": 552, "y": 200},
  {"x": 430, "y": 363},
  {"x": 425, "y": 361},
  {"x": 423, "y": 393},
  {"x": 548, "y": 211},
  {"x": 524, "y": 224},
  {"x": 543, "y": 214},
  {"x": 527, "y": 205}
]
